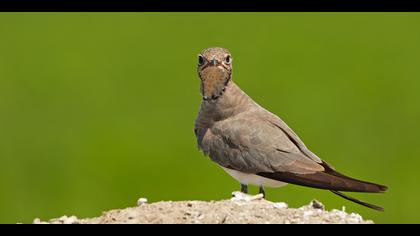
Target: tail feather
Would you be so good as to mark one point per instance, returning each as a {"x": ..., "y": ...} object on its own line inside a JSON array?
[
  {"x": 371, "y": 206},
  {"x": 328, "y": 179},
  {"x": 370, "y": 187}
]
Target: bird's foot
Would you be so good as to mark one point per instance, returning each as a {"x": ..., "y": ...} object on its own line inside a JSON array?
[{"x": 239, "y": 196}]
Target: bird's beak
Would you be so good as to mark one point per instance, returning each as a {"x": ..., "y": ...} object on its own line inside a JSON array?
[{"x": 213, "y": 62}]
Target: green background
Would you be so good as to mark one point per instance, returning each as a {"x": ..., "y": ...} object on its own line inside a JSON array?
[{"x": 97, "y": 109}]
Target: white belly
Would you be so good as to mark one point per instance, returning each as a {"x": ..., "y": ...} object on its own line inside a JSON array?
[{"x": 245, "y": 178}]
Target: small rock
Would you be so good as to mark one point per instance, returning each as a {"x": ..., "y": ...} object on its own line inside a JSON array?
[
  {"x": 317, "y": 205},
  {"x": 70, "y": 220},
  {"x": 65, "y": 220},
  {"x": 340, "y": 214},
  {"x": 141, "y": 201},
  {"x": 38, "y": 221},
  {"x": 356, "y": 216},
  {"x": 280, "y": 205},
  {"x": 239, "y": 196}
]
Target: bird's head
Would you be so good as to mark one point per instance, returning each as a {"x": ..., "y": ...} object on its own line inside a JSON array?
[{"x": 215, "y": 71}]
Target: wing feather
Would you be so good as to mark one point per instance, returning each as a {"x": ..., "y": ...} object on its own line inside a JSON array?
[{"x": 253, "y": 145}]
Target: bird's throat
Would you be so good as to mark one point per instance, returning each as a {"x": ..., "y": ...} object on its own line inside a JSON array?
[{"x": 213, "y": 83}]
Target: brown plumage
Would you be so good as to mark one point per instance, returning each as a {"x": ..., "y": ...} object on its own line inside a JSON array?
[{"x": 254, "y": 145}]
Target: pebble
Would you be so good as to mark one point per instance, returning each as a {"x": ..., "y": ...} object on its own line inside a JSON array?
[
  {"x": 239, "y": 196},
  {"x": 317, "y": 205},
  {"x": 70, "y": 220},
  {"x": 38, "y": 221},
  {"x": 280, "y": 205},
  {"x": 141, "y": 201}
]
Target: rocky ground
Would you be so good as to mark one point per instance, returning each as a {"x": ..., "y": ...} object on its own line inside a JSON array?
[{"x": 241, "y": 209}]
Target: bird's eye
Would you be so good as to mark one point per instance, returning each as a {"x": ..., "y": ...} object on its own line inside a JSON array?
[
  {"x": 200, "y": 60},
  {"x": 228, "y": 59}
]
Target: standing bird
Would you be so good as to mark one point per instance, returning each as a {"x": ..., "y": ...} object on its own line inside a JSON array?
[{"x": 255, "y": 146}]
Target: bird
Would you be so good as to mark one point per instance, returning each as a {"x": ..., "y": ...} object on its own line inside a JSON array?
[{"x": 255, "y": 146}]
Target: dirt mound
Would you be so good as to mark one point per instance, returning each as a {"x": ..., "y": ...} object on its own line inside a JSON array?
[{"x": 241, "y": 209}]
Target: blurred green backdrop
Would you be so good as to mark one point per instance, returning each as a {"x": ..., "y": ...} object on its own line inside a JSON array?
[{"x": 97, "y": 109}]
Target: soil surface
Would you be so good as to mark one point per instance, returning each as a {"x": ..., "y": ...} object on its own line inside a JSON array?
[{"x": 241, "y": 209}]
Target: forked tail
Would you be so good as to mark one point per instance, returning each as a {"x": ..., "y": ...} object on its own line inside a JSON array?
[{"x": 371, "y": 206}]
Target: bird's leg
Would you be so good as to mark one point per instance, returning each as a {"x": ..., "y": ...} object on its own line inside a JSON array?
[
  {"x": 244, "y": 188},
  {"x": 262, "y": 191}
]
